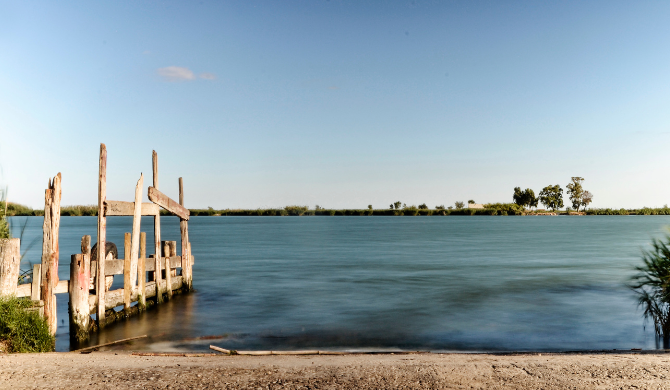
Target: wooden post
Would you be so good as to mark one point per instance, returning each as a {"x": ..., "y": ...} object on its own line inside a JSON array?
[
  {"x": 10, "y": 262},
  {"x": 135, "y": 243},
  {"x": 127, "y": 287},
  {"x": 185, "y": 258},
  {"x": 157, "y": 233},
  {"x": 37, "y": 282},
  {"x": 50, "y": 228},
  {"x": 80, "y": 275},
  {"x": 167, "y": 253},
  {"x": 102, "y": 234},
  {"x": 173, "y": 252},
  {"x": 142, "y": 270}
]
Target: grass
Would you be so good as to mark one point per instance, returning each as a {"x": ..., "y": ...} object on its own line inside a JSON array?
[
  {"x": 21, "y": 330},
  {"x": 652, "y": 286}
]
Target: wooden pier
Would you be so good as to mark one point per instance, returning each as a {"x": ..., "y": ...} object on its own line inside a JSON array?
[{"x": 147, "y": 280}]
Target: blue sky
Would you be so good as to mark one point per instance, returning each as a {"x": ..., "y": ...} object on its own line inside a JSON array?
[{"x": 336, "y": 103}]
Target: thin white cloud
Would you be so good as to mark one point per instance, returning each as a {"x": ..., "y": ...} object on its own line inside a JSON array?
[
  {"x": 208, "y": 76},
  {"x": 176, "y": 73}
]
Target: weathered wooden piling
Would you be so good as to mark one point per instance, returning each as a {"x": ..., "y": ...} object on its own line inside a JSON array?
[
  {"x": 142, "y": 270},
  {"x": 10, "y": 262},
  {"x": 50, "y": 252},
  {"x": 157, "y": 233},
  {"x": 102, "y": 234},
  {"x": 80, "y": 275},
  {"x": 185, "y": 258},
  {"x": 135, "y": 239},
  {"x": 127, "y": 288}
]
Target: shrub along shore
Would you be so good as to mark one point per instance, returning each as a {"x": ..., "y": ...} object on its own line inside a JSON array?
[{"x": 14, "y": 209}]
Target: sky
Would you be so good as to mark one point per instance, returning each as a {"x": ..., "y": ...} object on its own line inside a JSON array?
[{"x": 335, "y": 103}]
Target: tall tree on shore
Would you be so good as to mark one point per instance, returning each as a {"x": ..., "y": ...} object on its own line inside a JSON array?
[
  {"x": 459, "y": 205},
  {"x": 576, "y": 191},
  {"x": 587, "y": 198},
  {"x": 524, "y": 198},
  {"x": 552, "y": 197}
]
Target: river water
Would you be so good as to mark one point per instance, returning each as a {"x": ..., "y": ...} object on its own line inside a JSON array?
[{"x": 457, "y": 283}]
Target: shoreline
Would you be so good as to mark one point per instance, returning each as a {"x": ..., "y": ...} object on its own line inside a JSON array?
[{"x": 123, "y": 370}]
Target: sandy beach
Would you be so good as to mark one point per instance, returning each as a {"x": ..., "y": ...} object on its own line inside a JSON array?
[{"x": 123, "y": 370}]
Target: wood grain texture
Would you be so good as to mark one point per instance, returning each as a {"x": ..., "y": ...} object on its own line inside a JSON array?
[
  {"x": 50, "y": 250},
  {"x": 168, "y": 204},
  {"x": 10, "y": 264},
  {"x": 157, "y": 233},
  {"x": 186, "y": 270},
  {"x": 36, "y": 283},
  {"x": 135, "y": 238},
  {"x": 80, "y": 274},
  {"x": 142, "y": 270},
  {"x": 121, "y": 208},
  {"x": 114, "y": 298},
  {"x": 102, "y": 234},
  {"x": 127, "y": 288}
]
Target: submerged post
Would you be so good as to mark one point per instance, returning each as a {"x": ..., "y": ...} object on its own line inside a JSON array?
[
  {"x": 102, "y": 233},
  {"x": 157, "y": 234},
  {"x": 50, "y": 253},
  {"x": 186, "y": 268}
]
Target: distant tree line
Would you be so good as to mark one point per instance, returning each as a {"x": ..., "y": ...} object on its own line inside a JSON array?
[{"x": 551, "y": 196}]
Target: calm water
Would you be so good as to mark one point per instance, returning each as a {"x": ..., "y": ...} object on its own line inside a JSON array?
[{"x": 438, "y": 283}]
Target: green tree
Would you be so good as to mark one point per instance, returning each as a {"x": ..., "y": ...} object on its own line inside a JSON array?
[
  {"x": 440, "y": 207},
  {"x": 576, "y": 191},
  {"x": 459, "y": 205},
  {"x": 397, "y": 204},
  {"x": 471, "y": 201},
  {"x": 552, "y": 197},
  {"x": 423, "y": 206},
  {"x": 587, "y": 198},
  {"x": 524, "y": 198},
  {"x": 369, "y": 207},
  {"x": 652, "y": 286}
]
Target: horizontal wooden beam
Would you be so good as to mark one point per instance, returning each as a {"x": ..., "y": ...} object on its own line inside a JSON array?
[
  {"x": 117, "y": 207},
  {"x": 168, "y": 204},
  {"x": 25, "y": 290},
  {"x": 114, "y": 298},
  {"x": 115, "y": 266}
]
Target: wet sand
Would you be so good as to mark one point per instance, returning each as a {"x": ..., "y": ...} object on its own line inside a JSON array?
[{"x": 123, "y": 370}]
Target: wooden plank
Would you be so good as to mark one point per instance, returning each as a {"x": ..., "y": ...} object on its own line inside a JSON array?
[
  {"x": 102, "y": 235},
  {"x": 168, "y": 204},
  {"x": 115, "y": 266},
  {"x": 80, "y": 276},
  {"x": 115, "y": 298},
  {"x": 23, "y": 290},
  {"x": 62, "y": 287},
  {"x": 37, "y": 282},
  {"x": 121, "y": 208},
  {"x": 10, "y": 265},
  {"x": 127, "y": 288},
  {"x": 142, "y": 271},
  {"x": 111, "y": 343},
  {"x": 157, "y": 233},
  {"x": 50, "y": 251},
  {"x": 135, "y": 238}
]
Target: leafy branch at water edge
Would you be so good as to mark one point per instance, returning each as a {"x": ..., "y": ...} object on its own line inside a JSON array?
[{"x": 652, "y": 286}]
